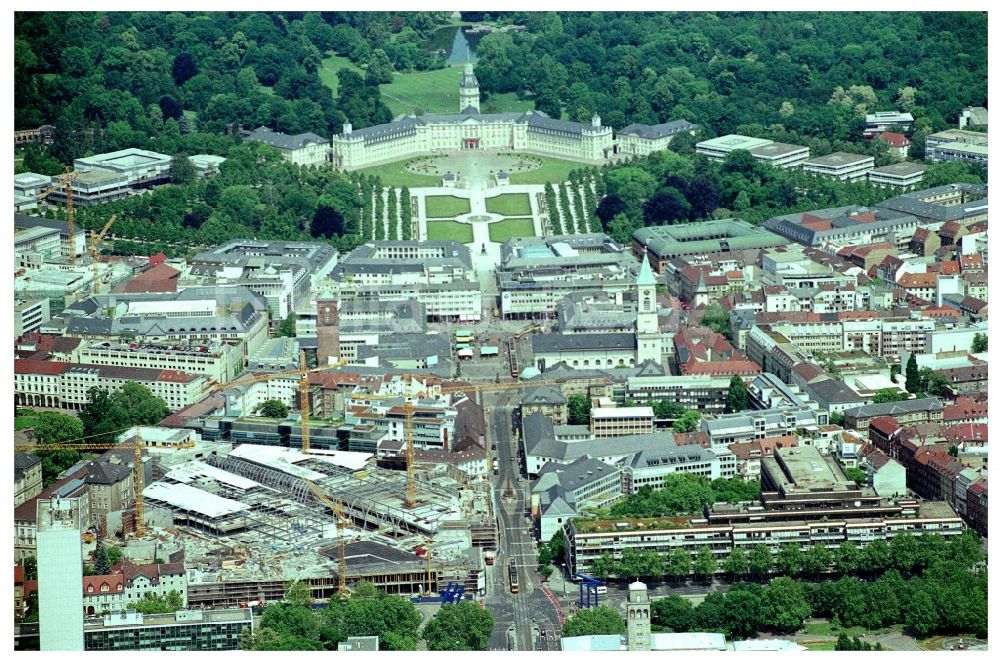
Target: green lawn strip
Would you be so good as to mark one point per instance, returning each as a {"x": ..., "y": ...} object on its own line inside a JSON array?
[
  {"x": 430, "y": 91},
  {"x": 450, "y": 230},
  {"x": 446, "y": 206},
  {"x": 22, "y": 422},
  {"x": 394, "y": 174},
  {"x": 329, "y": 67},
  {"x": 511, "y": 228},
  {"x": 553, "y": 170},
  {"x": 825, "y": 628},
  {"x": 509, "y": 205}
]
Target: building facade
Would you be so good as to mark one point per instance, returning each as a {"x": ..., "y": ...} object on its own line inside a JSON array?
[{"x": 531, "y": 132}]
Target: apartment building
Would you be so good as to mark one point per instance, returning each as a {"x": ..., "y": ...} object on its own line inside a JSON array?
[
  {"x": 536, "y": 274},
  {"x": 221, "y": 362},
  {"x": 906, "y": 412},
  {"x": 612, "y": 421},
  {"x": 957, "y": 145},
  {"x": 903, "y": 175},
  {"x": 884, "y": 121},
  {"x": 840, "y": 166},
  {"x": 589, "y": 539},
  {"x": 782, "y": 155},
  {"x": 27, "y": 477},
  {"x": 704, "y": 393},
  {"x": 29, "y": 315},
  {"x": 64, "y": 385},
  {"x": 192, "y": 316}
]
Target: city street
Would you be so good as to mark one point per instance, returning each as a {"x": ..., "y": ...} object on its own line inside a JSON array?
[{"x": 529, "y": 611}]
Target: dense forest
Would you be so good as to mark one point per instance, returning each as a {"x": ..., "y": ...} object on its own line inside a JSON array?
[
  {"x": 137, "y": 71},
  {"x": 815, "y": 74},
  {"x": 173, "y": 82}
]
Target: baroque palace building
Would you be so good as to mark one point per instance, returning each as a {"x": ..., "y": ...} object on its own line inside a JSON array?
[{"x": 529, "y": 132}]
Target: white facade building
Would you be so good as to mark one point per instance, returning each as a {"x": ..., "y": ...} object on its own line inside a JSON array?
[
  {"x": 531, "y": 132},
  {"x": 840, "y": 166},
  {"x": 306, "y": 149},
  {"x": 60, "y": 574}
]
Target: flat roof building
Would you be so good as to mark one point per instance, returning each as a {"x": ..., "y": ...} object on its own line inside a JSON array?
[
  {"x": 663, "y": 243},
  {"x": 783, "y": 155},
  {"x": 840, "y": 166},
  {"x": 957, "y": 144},
  {"x": 139, "y": 167},
  {"x": 903, "y": 175},
  {"x": 716, "y": 149}
]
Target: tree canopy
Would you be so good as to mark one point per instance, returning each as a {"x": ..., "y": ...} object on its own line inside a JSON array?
[
  {"x": 107, "y": 413},
  {"x": 461, "y": 626},
  {"x": 594, "y": 621}
]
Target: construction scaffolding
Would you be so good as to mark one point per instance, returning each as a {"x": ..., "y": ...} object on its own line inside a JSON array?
[{"x": 376, "y": 502}]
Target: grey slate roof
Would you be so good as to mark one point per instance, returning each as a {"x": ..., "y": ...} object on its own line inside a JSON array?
[
  {"x": 894, "y": 408},
  {"x": 22, "y": 461},
  {"x": 106, "y": 473},
  {"x": 550, "y": 344},
  {"x": 543, "y": 395},
  {"x": 911, "y": 203},
  {"x": 658, "y": 131},
  {"x": 406, "y": 125},
  {"x": 284, "y": 141},
  {"x": 833, "y": 392}
]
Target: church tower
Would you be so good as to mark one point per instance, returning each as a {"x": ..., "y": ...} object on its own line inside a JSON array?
[
  {"x": 647, "y": 327},
  {"x": 468, "y": 90},
  {"x": 637, "y": 614}
]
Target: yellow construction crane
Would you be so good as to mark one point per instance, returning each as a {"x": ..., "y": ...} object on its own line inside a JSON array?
[
  {"x": 338, "y": 512},
  {"x": 95, "y": 254},
  {"x": 66, "y": 180},
  {"x": 304, "y": 399},
  {"x": 137, "y": 446}
]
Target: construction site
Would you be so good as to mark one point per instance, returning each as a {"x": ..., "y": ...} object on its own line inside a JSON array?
[{"x": 258, "y": 517}]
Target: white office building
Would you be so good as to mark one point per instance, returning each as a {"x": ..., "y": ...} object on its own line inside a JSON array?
[{"x": 60, "y": 574}]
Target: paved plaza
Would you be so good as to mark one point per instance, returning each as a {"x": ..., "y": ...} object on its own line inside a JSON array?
[{"x": 475, "y": 180}]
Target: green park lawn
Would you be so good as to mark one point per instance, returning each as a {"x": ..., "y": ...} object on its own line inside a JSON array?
[
  {"x": 509, "y": 205},
  {"x": 26, "y": 418},
  {"x": 329, "y": 67},
  {"x": 446, "y": 206},
  {"x": 431, "y": 91},
  {"x": 394, "y": 174},
  {"x": 511, "y": 228},
  {"x": 553, "y": 170},
  {"x": 449, "y": 230}
]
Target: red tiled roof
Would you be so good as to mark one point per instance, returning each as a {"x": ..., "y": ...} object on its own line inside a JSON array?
[
  {"x": 815, "y": 222},
  {"x": 115, "y": 583},
  {"x": 865, "y": 250},
  {"x": 722, "y": 368},
  {"x": 895, "y": 139},
  {"x": 864, "y": 218},
  {"x": 156, "y": 273},
  {"x": 943, "y": 311},
  {"x": 35, "y": 367},
  {"x": 951, "y": 228},
  {"x": 884, "y": 424},
  {"x": 917, "y": 280},
  {"x": 965, "y": 408}
]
